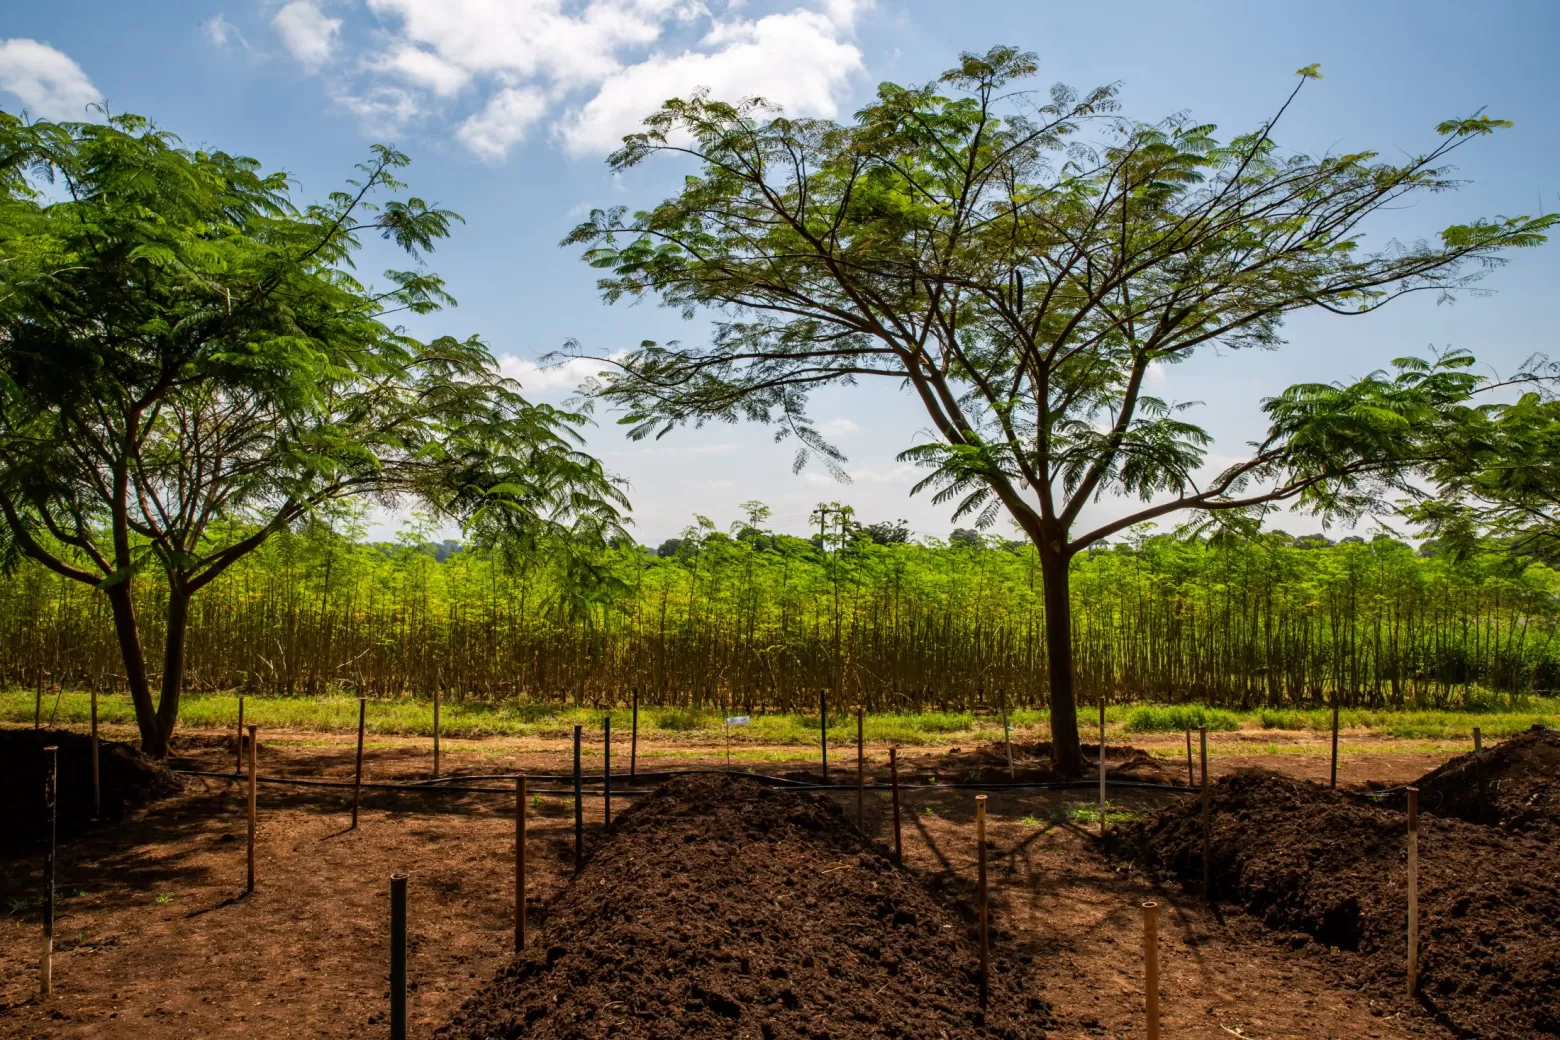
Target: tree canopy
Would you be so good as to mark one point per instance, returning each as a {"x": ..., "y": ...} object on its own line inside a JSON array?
[
  {"x": 1021, "y": 262},
  {"x": 189, "y": 364}
]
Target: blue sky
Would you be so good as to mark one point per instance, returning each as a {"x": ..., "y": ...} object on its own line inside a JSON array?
[{"x": 509, "y": 106}]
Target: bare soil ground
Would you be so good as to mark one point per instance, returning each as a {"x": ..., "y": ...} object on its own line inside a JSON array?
[{"x": 156, "y": 938}]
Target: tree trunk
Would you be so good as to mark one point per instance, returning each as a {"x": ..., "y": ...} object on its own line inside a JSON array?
[
  {"x": 1066, "y": 753},
  {"x": 129, "y": 636},
  {"x": 173, "y": 665}
]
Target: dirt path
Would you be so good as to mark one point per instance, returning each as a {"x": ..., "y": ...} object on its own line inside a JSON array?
[{"x": 157, "y": 941}]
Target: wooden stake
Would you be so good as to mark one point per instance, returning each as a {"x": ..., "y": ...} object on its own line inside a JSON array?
[
  {"x": 1102, "y": 765},
  {"x": 606, "y": 773},
  {"x": 357, "y": 776},
  {"x": 633, "y": 742},
  {"x": 250, "y": 884},
  {"x": 893, "y": 775},
  {"x": 50, "y": 802},
  {"x": 38, "y": 703},
  {"x": 436, "y": 689},
  {"x": 397, "y": 957},
  {"x": 861, "y": 770},
  {"x": 1191, "y": 776},
  {"x": 238, "y": 752},
  {"x": 823, "y": 731},
  {"x": 579, "y": 808},
  {"x": 97, "y": 787},
  {"x": 985, "y": 941},
  {"x": 1151, "y": 967},
  {"x": 1202, "y": 738},
  {"x": 519, "y": 863},
  {"x": 1413, "y": 891},
  {"x": 1334, "y": 783}
]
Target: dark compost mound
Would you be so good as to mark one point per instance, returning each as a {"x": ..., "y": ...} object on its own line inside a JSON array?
[
  {"x": 722, "y": 909},
  {"x": 988, "y": 764},
  {"x": 1519, "y": 779},
  {"x": 127, "y": 781},
  {"x": 1326, "y": 866}
]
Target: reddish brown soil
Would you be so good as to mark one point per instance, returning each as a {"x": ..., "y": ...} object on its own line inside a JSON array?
[
  {"x": 1324, "y": 868},
  {"x": 306, "y": 955},
  {"x": 1514, "y": 785},
  {"x": 127, "y": 780},
  {"x": 722, "y": 908}
]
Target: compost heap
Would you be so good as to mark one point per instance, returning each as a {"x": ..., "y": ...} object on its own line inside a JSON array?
[
  {"x": 721, "y": 909},
  {"x": 1514, "y": 785},
  {"x": 1327, "y": 868},
  {"x": 988, "y": 764},
  {"x": 127, "y": 781}
]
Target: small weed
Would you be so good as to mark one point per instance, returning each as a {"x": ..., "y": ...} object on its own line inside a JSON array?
[
  {"x": 927, "y": 810},
  {"x": 1086, "y": 814},
  {"x": 536, "y": 801},
  {"x": 1032, "y": 821},
  {"x": 163, "y": 899},
  {"x": 81, "y": 936}
]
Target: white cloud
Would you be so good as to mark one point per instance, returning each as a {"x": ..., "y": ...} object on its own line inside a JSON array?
[
  {"x": 219, "y": 32},
  {"x": 533, "y": 378},
  {"x": 382, "y": 109},
  {"x": 594, "y": 68},
  {"x": 306, "y": 32},
  {"x": 837, "y": 427},
  {"x": 49, "y": 84},
  {"x": 504, "y": 122}
]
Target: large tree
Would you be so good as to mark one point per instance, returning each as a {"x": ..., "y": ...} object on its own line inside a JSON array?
[
  {"x": 188, "y": 364},
  {"x": 1022, "y": 264}
]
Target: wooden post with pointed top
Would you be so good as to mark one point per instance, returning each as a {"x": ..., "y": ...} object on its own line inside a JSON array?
[
  {"x": 823, "y": 731},
  {"x": 1191, "y": 775},
  {"x": 238, "y": 752},
  {"x": 1413, "y": 891},
  {"x": 985, "y": 940},
  {"x": 436, "y": 688},
  {"x": 579, "y": 807},
  {"x": 633, "y": 740},
  {"x": 1478, "y": 771},
  {"x": 606, "y": 774}
]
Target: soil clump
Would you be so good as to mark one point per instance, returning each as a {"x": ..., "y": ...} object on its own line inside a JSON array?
[
  {"x": 721, "y": 908},
  {"x": 1514, "y": 785},
  {"x": 1326, "y": 870},
  {"x": 127, "y": 781}
]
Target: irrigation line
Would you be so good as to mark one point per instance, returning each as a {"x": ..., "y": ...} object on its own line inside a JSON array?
[{"x": 423, "y": 787}]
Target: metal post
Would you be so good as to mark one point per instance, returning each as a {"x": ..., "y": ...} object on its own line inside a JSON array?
[
  {"x": 519, "y": 863},
  {"x": 1334, "y": 782},
  {"x": 633, "y": 742},
  {"x": 1202, "y": 737},
  {"x": 1151, "y": 967},
  {"x": 50, "y": 801},
  {"x": 823, "y": 731},
  {"x": 1413, "y": 891},
  {"x": 606, "y": 774},
  {"x": 893, "y": 773},
  {"x": 397, "y": 957},
  {"x": 861, "y": 770},
  {"x": 579, "y": 808},
  {"x": 1102, "y": 765},
  {"x": 97, "y": 774},
  {"x": 357, "y": 777},
  {"x": 249, "y": 885},
  {"x": 985, "y": 942}
]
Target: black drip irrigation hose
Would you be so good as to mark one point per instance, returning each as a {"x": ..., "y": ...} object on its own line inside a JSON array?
[{"x": 428, "y": 787}]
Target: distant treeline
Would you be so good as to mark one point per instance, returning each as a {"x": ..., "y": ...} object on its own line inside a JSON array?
[{"x": 764, "y": 621}]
